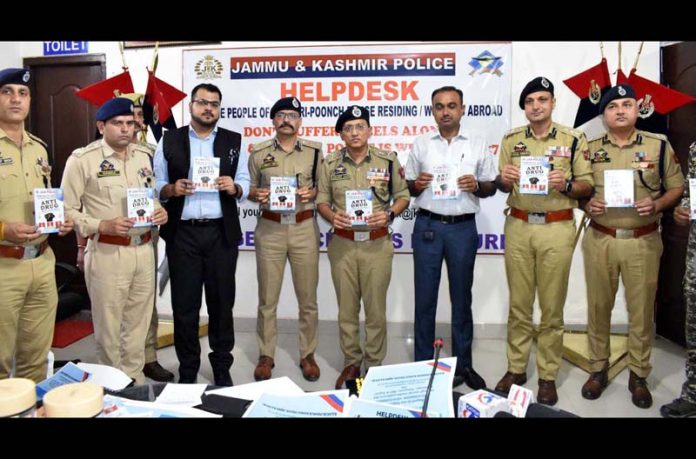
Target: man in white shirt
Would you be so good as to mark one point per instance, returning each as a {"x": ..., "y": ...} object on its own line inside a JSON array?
[{"x": 448, "y": 170}]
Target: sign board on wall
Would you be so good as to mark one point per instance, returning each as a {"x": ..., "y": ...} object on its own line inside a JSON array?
[{"x": 395, "y": 82}]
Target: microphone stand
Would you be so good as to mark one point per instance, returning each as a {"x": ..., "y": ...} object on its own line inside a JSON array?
[{"x": 437, "y": 345}]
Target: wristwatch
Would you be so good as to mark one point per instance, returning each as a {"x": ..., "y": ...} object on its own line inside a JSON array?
[
  {"x": 391, "y": 214},
  {"x": 568, "y": 187}
]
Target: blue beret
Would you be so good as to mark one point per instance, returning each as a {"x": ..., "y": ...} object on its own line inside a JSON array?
[
  {"x": 620, "y": 91},
  {"x": 15, "y": 76},
  {"x": 354, "y": 112},
  {"x": 286, "y": 103},
  {"x": 536, "y": 85},
  {"x": 115, "y": 107}
]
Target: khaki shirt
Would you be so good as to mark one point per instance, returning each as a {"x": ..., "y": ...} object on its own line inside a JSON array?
[
  {"x": 268, "y": 159},
  {"x": 521, "y": 142},
  {"x": 95, "y": 183},
  {"x": 642, "y": 155},
  {"x": 21, "y": 170},
  {"x": 339, "y": 173}
]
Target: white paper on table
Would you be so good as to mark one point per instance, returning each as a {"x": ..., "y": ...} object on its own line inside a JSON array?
[
  {"x": 118, "y": 407},
  {"x": 252, "y": 391},
  {"x": 405, "y": 385},
  {"x": 323, "y": 404},
  {"x": 182, "y": 394},
  {"x": 106, "y": 376},
  {"x": 359, "y": 408}
]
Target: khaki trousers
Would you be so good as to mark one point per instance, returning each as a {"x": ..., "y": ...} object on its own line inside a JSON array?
[
  {"x": 28, "y": 303},
  {"x": 121, "y": 287},
  {"x": 637, "y": 262},
  {"x": 537, "y": 260},
  {"x": 362, "y": 270},
  {"x": 299, "y": 244}
]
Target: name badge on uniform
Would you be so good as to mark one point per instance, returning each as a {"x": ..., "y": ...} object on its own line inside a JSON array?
[
  {"x": 560, "y": 151},
  {"x": 6, "y": 161}
]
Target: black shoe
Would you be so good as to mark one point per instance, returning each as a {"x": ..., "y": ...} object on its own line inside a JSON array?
[
  {"x": 679, "y": 408},
  {"x": 156, "y": 372},
  {"x": 223, "y": 378},
  {"x": 470, "y": 377}
]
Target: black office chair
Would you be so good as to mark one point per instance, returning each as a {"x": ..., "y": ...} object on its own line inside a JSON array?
[{"x": 69, "y": 302}]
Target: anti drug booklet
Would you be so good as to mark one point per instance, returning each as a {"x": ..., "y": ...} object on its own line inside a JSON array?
[
  {"x": 141, "y": 206},
  {"x": 49, "y": 210},
  {"x": 359, "y": 206},
  {"x": 282, "y": 197},
  {"x": 205, "y": 172}
]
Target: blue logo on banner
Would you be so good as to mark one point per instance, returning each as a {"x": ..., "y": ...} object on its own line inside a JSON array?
[{"x": 54, "y": 48}]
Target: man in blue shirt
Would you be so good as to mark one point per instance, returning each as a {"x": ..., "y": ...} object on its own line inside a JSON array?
[{"x": 203, "y": 232}]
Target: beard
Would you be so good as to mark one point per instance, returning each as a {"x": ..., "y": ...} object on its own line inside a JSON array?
[{"x": 204, "y": 122}]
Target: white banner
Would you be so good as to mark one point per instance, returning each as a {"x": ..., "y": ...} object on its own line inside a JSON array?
[{"x": 394, "y": 81}]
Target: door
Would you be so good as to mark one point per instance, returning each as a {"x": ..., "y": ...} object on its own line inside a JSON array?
[
  {"x": 679, "y": 73},
  {"x": 65, "y": 122}
]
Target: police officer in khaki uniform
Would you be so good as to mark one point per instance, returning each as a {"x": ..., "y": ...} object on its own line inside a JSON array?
[
  {"x": 361, "y": 257},
  {"x": 28, "y": 296},
  {"x": 152, "y": 368},
  {"x": 286, "y": 235},
  {"x": 625, "y": 241},
  {"x": 539, "y": 235},
  {"x": 119, "y": 259}
]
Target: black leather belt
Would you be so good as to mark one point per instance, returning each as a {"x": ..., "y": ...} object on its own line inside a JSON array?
[
  {"x": 202, "y": 222},
  {"x": 446, "y": 218}
]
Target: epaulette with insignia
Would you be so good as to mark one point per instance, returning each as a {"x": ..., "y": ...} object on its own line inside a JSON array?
[
  {"x": 386, "y": 154},
  {"x": 311, "y": 144},
  {"x": 334, "y": 156},
  {"x": 33, "y": 137},
  {"x": 514, "y": 131},
  {"x": 653, "y": 135},
  {"x": 577, "y": 133},
  {"x": 262, "y": 145},
  {"x": 143, "y": 149},
  {"x": 86, "y": 149}
]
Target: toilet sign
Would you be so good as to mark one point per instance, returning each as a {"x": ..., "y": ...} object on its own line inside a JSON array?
[{"x": 54, "y": 48}]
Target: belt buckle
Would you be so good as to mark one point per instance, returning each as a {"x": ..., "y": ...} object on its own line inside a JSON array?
[
  {"x": 30, "y": 252},
  {"x": 361, "y": 236},
  {"x": 624, "y": 233},
  {"x": 287, "y": 218},
  {"x": 536, "y": 218}
]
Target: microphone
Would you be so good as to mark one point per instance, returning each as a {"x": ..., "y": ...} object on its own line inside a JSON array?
[{"x": 437, "y": 344}]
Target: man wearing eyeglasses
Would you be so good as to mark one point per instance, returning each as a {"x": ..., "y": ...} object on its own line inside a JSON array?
[
  {"x": 203, "y": 234},
  {"x": 119, "y": 257},
  {"x": 361, "y": 190},
  {"x": 286, "y": 231},
  {"x": 448, "y": 171}
]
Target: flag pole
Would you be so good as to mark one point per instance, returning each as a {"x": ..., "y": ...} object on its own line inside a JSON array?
[{"x": 640, "y": 50}]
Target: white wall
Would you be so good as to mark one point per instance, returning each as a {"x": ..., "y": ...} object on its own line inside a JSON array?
[{"x": 555, "y": 60}]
